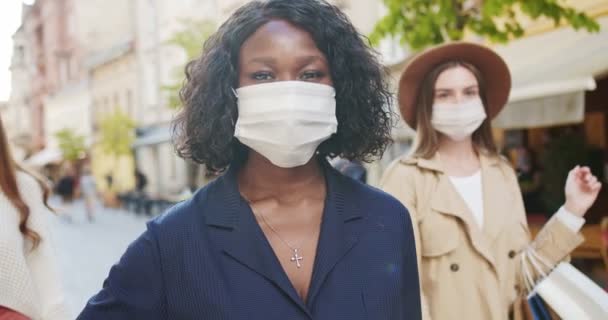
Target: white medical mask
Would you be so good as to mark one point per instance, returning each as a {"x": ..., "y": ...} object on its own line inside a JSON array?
[
  {"x": 458, "y": 121},
  {"x": 286, "y": 121}
]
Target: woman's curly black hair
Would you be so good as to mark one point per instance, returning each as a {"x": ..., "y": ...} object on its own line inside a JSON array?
[{"x": 204, "y": 129}]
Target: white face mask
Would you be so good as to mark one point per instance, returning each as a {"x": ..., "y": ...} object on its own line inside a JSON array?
[
  {"x": 458, "y": 121},
  {"x": 286, "y": 121}
]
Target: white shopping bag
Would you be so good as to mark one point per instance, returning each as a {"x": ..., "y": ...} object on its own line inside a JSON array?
[{"x": 571, "y": 294}]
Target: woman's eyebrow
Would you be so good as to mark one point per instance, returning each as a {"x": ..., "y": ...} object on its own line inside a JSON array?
[
  {"x": 302, "y": 59},
  {"x": 444, "y": 89},
  {"x": 451, "y": 89},
  {"x": 309, "y": 59}
]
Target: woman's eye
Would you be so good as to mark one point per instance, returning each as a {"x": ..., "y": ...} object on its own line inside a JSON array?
[
  {"x": 261, "y": 76},
  {"x": 472, "y": 93},
  {"x": 311, "y": 75}
]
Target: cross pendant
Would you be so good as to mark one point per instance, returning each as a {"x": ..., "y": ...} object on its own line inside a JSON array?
[{"x": 296, "y": 258}]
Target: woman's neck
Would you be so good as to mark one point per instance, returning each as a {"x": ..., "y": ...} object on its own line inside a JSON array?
[
  {"x": 260, "y": 179},
  {"x": 459, "y": 158}
]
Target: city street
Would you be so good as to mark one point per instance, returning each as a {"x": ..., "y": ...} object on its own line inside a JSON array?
[{"x": 86, "y": 250}]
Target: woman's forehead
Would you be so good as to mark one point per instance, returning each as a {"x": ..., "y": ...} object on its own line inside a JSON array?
[
  {"x": 276, "y": 39},
  {"x": 458, "y": 76}
]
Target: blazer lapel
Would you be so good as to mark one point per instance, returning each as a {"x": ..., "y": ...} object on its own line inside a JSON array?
[
  {"x": 239, "y": 234},
  {"x": 447, "y": 200},
  {"x": 339, "y": 230}
]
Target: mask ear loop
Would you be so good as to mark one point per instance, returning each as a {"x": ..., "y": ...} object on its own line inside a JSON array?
[{"x": 236, "y": 95}]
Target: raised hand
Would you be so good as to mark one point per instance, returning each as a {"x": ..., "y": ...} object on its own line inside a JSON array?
[{"x": 582, "y": 188}]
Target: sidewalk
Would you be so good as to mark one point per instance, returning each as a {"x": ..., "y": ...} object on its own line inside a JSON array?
[{"x": 87, "y": 250}]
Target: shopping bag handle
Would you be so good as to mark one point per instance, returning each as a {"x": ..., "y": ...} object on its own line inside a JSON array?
[
  {"x": 526, "y": 274},
  {"x": 536, "y": 257},
  {"x": 535, "y": 261}
]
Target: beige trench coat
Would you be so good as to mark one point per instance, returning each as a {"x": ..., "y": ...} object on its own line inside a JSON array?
[{"x": 467, "y": 272}]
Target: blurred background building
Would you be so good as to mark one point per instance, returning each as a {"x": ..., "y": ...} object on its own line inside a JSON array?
[{"x": 77, "y": 63}]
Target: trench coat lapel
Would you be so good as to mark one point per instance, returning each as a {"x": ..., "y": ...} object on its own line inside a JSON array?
[
  {"x": 446, "y": 200},
  {"x": 495, "y": 198}
]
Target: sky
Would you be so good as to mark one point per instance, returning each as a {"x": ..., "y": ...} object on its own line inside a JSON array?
[{"x": 10, "y": 19}]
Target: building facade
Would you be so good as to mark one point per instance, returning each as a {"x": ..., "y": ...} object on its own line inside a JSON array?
[
  {"x": 159, "y": 65},
  {"x": 40, "y": 27},
  {"x": 17, "y": 117},
  {"x": 111, "y": 67},
  {"x": 57, "y": 45}
]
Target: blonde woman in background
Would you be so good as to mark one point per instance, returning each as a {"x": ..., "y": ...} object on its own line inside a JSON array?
[
  {"x": 29, "y": 285},
  {"x": 466, "y": 206}
]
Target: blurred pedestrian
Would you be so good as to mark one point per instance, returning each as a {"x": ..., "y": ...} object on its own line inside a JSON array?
[
  {"x": 65, "y": 188},
  {"x": 141, "y": 181},
  {"x": 464, "y": 199},
  {"x": 109, "y": 181},
  {"x": 29, "y": 283},
  {"x": 264, "y": 101},
  {"x": 88, "y": 189}
]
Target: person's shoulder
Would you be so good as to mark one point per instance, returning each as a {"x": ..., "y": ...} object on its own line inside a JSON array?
[
  {"x": 401, "y": 173},
  {"x": 27, "y": 184},
  {"x": 404, "y": 165},
  {"x": 32, "y": 194},
  {"x": 383, "y": 201},
  {"x": 375, "y": 201},
  {"x": 25, "y": 178},
  {"x": 186, "y": 212},
  {"x": 504, "y": 165}
]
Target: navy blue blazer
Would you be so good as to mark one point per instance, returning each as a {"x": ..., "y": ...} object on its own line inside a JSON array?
[{"x": 207, "y": 258}]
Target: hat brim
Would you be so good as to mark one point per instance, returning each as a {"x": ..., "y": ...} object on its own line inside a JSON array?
[{"x": 494, "y": 71}]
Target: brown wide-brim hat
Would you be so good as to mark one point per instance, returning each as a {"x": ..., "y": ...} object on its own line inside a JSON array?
[{"x": 493, "y": 69}]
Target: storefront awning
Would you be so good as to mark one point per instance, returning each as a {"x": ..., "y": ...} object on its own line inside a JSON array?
[
  {"x": 551, "y": 73},
  {"x": 153, "y": 136},
  {"x": 44, "y": 157}
]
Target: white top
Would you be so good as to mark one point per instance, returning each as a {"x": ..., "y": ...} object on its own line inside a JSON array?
[
  {"x": 29, "y": 281},
  {"x": 471, "y": 191},
  {"x": 572, "y": 221}
]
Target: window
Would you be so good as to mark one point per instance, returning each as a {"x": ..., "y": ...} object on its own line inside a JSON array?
[
  {"x": 130, "y": 104},
  {"x": 106, "y": 105},
  {"x": 20, "y": 54},
  {"x": 64, "y": 69},
  {"x": 72, "y": 68},
  {"x": 116, "y": 105}
]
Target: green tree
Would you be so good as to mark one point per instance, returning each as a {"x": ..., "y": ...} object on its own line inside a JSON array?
[
  {"x": 72, "y": 145},
  {"x": 422, "y": 23},
  {"x": 190, "y": 40},
  {"x": 116, "y": 135}
]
